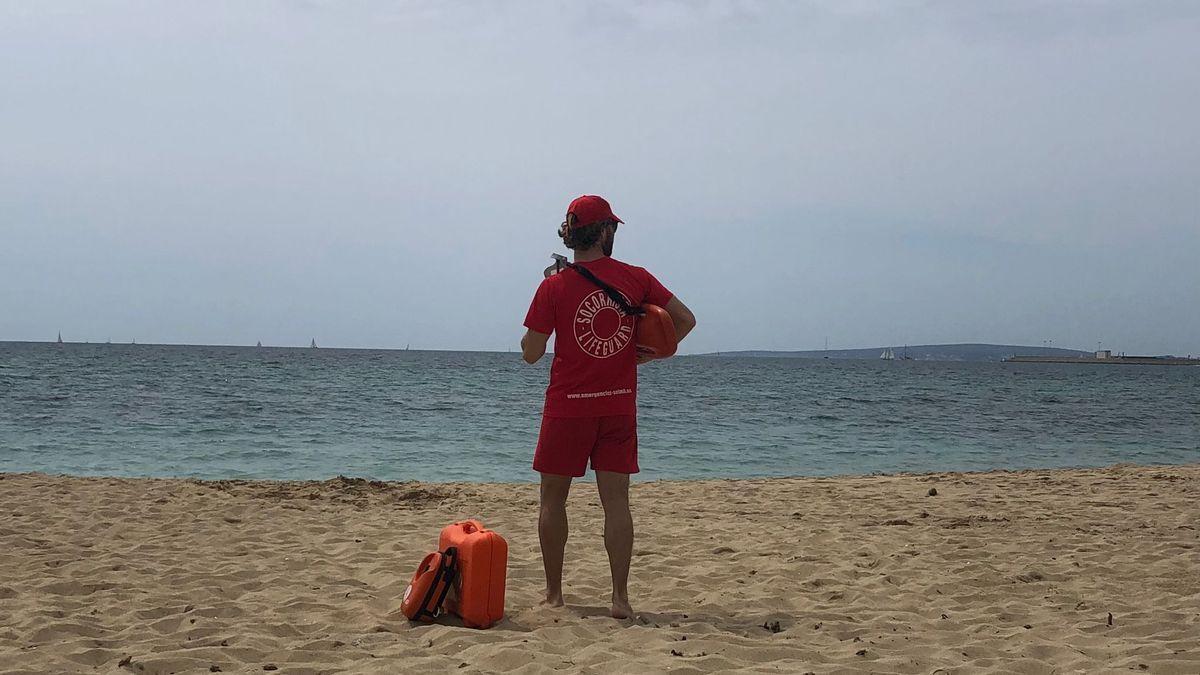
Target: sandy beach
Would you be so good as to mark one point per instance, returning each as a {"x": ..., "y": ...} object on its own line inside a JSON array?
[{"x": 1028, "y": 572}]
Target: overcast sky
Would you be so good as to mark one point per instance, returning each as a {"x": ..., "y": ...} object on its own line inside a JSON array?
[{"x": 378, "y": 174}]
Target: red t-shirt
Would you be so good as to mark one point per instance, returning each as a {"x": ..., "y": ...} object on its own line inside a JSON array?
[{"x": 594, "y": 373}]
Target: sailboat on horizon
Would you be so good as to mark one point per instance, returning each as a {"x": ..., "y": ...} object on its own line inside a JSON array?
[
  {"x": 259, "y": 344},
  {"x": 314, "y": 344},
  {"x": 59, "y": 338},
  {"x": 888, "y": 355}
]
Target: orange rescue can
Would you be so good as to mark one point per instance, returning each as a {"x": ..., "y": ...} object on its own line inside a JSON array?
[
  {"x": 654, "y": 333},
  {"x": 482, "y": 568}
]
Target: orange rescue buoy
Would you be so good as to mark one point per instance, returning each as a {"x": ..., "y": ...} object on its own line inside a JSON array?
[{"x": 655, "y": 333}]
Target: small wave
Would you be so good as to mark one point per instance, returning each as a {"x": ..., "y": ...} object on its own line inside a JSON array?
[{"x": 328, "y": 413}]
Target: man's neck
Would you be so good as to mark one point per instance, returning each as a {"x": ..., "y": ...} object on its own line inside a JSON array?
[{"x": 589, "y": 255}]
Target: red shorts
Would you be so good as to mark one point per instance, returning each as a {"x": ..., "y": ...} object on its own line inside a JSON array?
[{"x": 566, "y": 443}]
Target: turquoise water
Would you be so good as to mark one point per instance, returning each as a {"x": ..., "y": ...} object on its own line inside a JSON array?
[{"x": 133, "y": 410}]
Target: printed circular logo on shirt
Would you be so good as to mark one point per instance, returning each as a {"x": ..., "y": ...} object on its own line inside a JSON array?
[{"x": 600, "y": 328}]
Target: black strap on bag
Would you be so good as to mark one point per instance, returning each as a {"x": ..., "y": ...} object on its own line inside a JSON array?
[
  {"x": 612, "y": 293},
  {"x": 446, "y": 571}
]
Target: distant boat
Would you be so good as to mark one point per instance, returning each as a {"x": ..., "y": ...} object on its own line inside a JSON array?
[
  {"x": 314, "y": 344},
  {"x": 905, "y": 356},
  {"x": 60, "y": 337},
  {"x": 259, "y": 344},
  {"x": 888, "y": 355}
]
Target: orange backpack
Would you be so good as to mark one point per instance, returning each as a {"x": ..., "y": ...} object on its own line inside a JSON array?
[
  {"x": 482, "y": 567},
  {"x": 426, "y": 593}
]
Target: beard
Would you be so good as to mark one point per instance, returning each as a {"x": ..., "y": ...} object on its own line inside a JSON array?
[{"x": 607, "y": 245}]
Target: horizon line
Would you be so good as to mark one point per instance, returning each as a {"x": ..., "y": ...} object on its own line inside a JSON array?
[{"x": 513, "y": 350}]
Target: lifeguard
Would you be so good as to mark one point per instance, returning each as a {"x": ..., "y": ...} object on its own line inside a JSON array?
[{"x": 590, "y": 411}]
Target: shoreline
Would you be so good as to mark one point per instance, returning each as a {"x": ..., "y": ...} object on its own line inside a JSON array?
[
  {"x": 1000, "y": 571},
  {"x": 589, "y": 478}
]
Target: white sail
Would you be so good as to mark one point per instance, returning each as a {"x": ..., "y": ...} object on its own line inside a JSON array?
[{"x": 888, "y": 355}]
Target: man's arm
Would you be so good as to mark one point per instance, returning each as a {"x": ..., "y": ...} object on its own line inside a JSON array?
[
  {"x": 682, "y": 317},
  {"x": 533, "y": 345}
]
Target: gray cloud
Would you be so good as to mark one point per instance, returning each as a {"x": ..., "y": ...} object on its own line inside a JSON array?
[{"x": 387, "y": 173}]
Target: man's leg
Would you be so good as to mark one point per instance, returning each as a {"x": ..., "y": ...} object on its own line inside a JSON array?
[
  {"x": 618, "y": 536},
  {"x": 552, "y": 532}
]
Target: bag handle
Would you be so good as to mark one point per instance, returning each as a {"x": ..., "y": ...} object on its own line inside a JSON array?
[{"x": 446, "y": 572}]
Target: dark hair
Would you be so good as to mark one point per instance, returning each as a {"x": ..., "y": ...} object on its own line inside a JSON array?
[{"x": 582, "y": 238}]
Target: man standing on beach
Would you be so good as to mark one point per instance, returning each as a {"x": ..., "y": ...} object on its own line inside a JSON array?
[{"x": 591, "y": 403}]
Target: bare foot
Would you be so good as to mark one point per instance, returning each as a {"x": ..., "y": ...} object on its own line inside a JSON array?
[
  {"x": 621, "y": 609},
  {"x": 552, "y": 600}
]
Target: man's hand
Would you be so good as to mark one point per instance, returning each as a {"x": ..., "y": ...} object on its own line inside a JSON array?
[
  {"x": 644, "y": 355},
  {"x": 533, "y": 345},
  {"x": 684, "y": 322}
]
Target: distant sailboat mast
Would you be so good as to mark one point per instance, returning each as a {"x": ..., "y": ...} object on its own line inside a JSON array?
[
  {"x": 60, "y": 337},
  {"x": 314, "y": 344}
]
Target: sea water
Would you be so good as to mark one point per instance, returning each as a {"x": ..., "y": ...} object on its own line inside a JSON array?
[{"x": 246, "y": 412}]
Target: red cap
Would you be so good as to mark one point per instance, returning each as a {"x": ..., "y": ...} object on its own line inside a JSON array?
[{"x": 590, "y": 209}]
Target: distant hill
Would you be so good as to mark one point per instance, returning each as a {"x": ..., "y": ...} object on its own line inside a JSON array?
[{"x": 959, "y": 352}]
